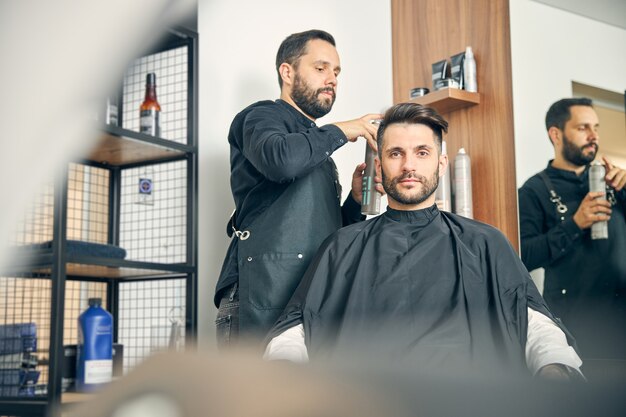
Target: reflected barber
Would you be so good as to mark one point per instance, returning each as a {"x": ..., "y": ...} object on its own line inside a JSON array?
[{"x": 585, "y": 279}]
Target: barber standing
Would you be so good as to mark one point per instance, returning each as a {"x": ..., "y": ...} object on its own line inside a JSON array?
[
  {"x": 285, "y": 187},
  {"x": 585, "y": 279}
]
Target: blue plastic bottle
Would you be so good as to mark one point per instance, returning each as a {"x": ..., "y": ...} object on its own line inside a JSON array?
[{"x": 94, "y": 356}]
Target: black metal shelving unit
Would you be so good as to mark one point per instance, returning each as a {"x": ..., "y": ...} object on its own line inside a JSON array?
[{"x": 96, "y": 201}]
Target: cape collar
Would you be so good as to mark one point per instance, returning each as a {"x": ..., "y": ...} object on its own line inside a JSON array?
[{"x": 418, "y": 217}]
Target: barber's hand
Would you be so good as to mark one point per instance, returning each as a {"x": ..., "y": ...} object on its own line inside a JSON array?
[
  {"x": 357, "y": 183},
  {"x": 363, "y": 126},
  {"x": 615, "y": 176},
  {"x": 592, "y": 209}
]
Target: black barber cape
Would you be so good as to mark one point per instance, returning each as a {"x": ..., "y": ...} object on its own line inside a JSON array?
[{"x": 425, "y": 285}]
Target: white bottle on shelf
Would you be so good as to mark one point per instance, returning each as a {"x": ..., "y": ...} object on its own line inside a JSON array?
[
  {"x": 469, "y": 71},
  {"x": 463, "y": 185},
  {"x": 443, "y": 197}
]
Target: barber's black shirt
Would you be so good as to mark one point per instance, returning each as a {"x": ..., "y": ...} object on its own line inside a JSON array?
[{"x": 271, "y": 145}]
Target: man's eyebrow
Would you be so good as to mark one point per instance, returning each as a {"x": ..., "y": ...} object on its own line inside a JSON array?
[
  {"x": 395, "y": 149},
  {"x": 326, "y": 64},
  {"x": 424, "y": 146}
]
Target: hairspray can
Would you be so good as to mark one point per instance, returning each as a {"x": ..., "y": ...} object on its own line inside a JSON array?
[
  {"x": 599, "y": 230},
  {"x": 443, "y": 197},
  {"x": 370, "y": 202},
  {"x": 469, "y": 70},
  {"x": 463, "y": 185}
]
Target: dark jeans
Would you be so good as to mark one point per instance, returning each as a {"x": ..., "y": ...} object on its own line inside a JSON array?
[{"x": 227, "y": 321}]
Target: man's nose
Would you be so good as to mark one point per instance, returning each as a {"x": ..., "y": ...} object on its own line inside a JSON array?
[
  {"x": 332, "y": 79},
  {"x": 409, "y": 163}
]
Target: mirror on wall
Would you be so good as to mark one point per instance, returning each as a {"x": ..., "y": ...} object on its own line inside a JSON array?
[{"x": 609, "y": 107}]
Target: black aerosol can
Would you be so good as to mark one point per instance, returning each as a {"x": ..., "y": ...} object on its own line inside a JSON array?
[
  {"x": 370, "y": 203},
  {"x": 370, "y": 198},
  {"x": 599, "y": 230}
]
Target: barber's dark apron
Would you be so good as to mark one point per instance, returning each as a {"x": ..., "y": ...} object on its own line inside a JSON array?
[{"x": 282, "y": 243}]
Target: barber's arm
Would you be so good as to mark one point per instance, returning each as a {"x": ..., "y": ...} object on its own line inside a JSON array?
[
  {"x": 282, "y": 156},
  {"x": 548, "y": 354}
]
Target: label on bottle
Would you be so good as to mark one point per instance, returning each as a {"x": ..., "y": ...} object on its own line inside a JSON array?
[
  {"x": 149, "y": 122},
  {"x": 98, "y": 371}
]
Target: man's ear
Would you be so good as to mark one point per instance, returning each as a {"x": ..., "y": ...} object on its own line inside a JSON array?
[
  {"x": 287, "y": 73},
  {"x": 443, "y": 164},
  {"x": 378, "y": 167},
  {"x": 555, "y": 135}
]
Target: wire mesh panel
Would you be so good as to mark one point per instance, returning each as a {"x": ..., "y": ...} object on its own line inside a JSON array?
[
  {"x": 87, "y": 203},
  {"x": 87, "y": 209},
  {"x": 24, "y": 336},
  {"x": 36, "y": 224},
  {"x": 151, "y": 318},
  {"x": 153, "y": 226},
  {"x": 171, "y": 70},
  {"x": 25, "y": 312}
]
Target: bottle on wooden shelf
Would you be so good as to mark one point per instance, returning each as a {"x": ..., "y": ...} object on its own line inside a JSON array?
[{"x": 150, "y": 110}]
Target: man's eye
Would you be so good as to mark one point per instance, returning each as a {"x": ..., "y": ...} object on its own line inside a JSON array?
[{"x": 422, "y": 153}]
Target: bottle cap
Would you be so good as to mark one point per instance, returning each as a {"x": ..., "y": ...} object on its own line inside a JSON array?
[
  {"x": 95, "y": 302},
  {"x": 462, "y": 150},
  {"x": 151, "y": 78}
]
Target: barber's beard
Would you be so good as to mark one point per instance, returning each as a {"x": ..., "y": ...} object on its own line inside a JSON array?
[
  {"x": 575, "y": 155},
  {"x": 414, "y": 196},
  {"x": 307, "y": 99}
]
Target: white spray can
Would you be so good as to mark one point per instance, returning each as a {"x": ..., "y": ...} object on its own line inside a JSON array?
[
  {"x": 599, "y": 230},
  {"x": 463, "y": 185},
  {"x": 443, "y": 196},
  {"x": 469, "y": 70}
]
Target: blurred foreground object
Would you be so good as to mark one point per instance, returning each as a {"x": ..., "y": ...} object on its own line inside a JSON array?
[{"x": 207, "y": 384}]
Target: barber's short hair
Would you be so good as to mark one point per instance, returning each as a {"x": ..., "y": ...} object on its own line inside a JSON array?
[
  {"x": 559, "y": 113},
  {"x": 295, "y": 45},
  {"x": 412, "y": 113}
]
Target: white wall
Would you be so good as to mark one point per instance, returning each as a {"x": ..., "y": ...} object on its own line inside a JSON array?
[
  {"x": 238, "y": 43},
  {"x": 550, "y": 48}
]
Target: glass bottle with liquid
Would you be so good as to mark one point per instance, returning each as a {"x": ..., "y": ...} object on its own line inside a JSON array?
[{"x": 150, "y": 110}]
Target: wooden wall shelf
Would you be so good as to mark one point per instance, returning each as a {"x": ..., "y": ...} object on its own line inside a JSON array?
[
  {"x": 119, "y": 147},
  {"x": 448, "y": 100}
]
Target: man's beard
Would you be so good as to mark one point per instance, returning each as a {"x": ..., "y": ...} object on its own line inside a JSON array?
[
  {"x": 575, "y": 155},
  {"x": 307, "y": 99},
  {"x": 428, "y": 187}
]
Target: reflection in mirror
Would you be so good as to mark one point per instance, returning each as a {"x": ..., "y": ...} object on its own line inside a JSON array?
[{"x": 559, "y": 216}]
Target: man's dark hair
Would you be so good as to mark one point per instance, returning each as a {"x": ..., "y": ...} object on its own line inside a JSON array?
[
  {"x": 559, "y": 113},
  {"x": 295, "y": 45},
  {"x": 412, "y": 113}
]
